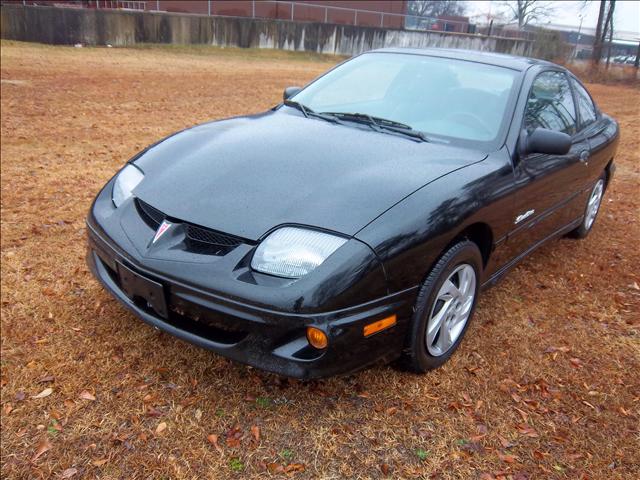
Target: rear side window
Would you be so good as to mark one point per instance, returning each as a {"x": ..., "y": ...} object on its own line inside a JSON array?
[
  {"x": 585, "y": 105},
  {"x": 550, "y": 104}
]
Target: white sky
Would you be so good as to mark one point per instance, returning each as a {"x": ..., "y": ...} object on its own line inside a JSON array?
[{"x": 626, "y": 14}]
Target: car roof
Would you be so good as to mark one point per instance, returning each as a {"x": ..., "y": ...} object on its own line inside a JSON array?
[{"x": 499, "y": 59}]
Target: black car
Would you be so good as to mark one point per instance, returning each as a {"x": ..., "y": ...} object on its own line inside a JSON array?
[{"x": 358, "y": 220}]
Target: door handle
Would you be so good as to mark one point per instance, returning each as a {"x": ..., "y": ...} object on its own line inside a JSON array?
[{"x": 584, "y": 156}]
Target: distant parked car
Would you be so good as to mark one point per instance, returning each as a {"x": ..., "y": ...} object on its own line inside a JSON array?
[{"x": 358, "y": 220}]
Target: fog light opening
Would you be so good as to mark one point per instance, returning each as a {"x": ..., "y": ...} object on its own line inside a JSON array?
[
  {"x": 379, "y": 325},
  {"x": 317, "y": 338}
]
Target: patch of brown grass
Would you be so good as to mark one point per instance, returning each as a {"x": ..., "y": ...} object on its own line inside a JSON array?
[
  {"x": 613, "y": 74},
  {"x": 546, "y": 384}
]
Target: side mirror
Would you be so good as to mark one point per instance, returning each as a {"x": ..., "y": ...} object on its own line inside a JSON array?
[
  {"x": 290, "y": 92},
  {"x": 545, "y": 141}
]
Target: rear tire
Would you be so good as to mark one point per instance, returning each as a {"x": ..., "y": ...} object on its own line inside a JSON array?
[
  {"x": 444, "y": 308},
  {"x": 591, "y": 209}
]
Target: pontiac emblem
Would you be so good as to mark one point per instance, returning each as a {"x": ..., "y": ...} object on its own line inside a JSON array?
[{"x": 164, "y": 226}]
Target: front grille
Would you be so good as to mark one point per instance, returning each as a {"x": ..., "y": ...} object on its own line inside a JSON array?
[
  {"x": 210, "y": 237},
  {"x": 152, "y": 216},
  {"x": 198, "y": 239}
]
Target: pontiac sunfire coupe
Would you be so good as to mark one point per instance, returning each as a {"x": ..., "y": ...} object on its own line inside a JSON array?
[{"x": 358, "y": 220}]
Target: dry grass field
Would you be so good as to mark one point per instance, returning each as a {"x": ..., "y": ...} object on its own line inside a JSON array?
[{"x": 546, "y": 384}]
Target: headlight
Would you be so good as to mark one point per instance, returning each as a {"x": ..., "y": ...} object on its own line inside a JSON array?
[
  {"x": 294, "y": 252},
  {"x": 128, "y": 179}
]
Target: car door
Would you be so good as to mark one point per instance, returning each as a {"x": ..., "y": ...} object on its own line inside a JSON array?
[
  {"x": 592, "y": 127},
  {"x": 548, "y": 186}
]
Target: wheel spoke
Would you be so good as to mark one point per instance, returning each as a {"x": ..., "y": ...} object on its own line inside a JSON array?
[
  {"x": 466, "y": 306},
  {"x": 467, "y": 281},
  {"x": 449, "y": 290},
  {"x": 444, "y": 340},
  {"x": 435, "y": 323}
]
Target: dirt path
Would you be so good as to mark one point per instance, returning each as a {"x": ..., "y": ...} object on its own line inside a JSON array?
[{"x": 546, "y": 384}]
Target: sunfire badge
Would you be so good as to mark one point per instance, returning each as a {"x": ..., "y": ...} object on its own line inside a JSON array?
[{"x": 164, "y": 226}]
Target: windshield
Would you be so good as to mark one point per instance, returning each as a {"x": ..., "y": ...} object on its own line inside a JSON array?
[{"x": 446, "y": 99}]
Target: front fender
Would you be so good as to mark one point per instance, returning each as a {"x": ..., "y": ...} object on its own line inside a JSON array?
[{"x": 412, "y": 235}]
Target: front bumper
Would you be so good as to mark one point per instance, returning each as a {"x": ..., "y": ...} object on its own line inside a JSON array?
[{"x": 252, "y": 334}]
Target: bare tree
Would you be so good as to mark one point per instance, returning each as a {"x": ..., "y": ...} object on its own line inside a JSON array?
[
  {"x": 529, "y": 11},
  {"x": 434, "y": 9},
  {"x": 612, "y": 6},
  {"x": 603, "y": 27}
]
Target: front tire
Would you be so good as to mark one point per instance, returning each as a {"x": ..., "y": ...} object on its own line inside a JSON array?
[
  {"x": 591, "y": 210},
  {"x": 444, "y": 308}
]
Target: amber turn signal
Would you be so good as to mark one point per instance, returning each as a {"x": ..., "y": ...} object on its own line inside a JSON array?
[
  {"x": 317, "y": 338},
  {"x": 380, "y": 325}
]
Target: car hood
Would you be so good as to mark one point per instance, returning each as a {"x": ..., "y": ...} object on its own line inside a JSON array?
[{"x": 247, "y": 175}]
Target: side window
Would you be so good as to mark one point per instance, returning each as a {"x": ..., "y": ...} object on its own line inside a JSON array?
[
  {"x": 550, "y": 104},
  {"x": 585, "y": 105}
]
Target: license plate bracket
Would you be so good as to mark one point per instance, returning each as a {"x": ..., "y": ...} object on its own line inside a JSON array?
[{"x": 136, "y": 286}]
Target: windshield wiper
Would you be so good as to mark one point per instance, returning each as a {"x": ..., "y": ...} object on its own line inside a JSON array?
[
  {"x": 307, "y": 112},
  {"x": 380, "y": 124}
]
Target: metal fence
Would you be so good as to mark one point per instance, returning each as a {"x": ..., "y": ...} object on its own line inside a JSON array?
[
  {"x": 297, "y": 12},
  {"x": 301, "y": 12},
  {"x": 121, "y": 4}
]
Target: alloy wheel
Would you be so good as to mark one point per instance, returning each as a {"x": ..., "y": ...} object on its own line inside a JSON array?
[
  {"x": 594, "y": 204},
  {"x": 451, "y": 310}
]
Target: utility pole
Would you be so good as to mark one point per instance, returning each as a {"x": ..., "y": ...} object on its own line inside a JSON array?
[{"x": 575, "y": 49}]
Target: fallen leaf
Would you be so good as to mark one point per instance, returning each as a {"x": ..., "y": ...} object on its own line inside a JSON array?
[
  {"x": 153, "y": 412},
  {"x": 43, "y": 446},
  {"x": 525, "y": 429},
  {"x": 507, "y": 458},
  {"x": 99, "y": 463},
  {"x": 576, "y": 362},
  {"x": 557, "y": 349},
  {"x": 198, "y": 414},
  {"x": 233, "y": 437},
  {"x": 472, "y": 447},
  {"x": 45, "y": 393},
  {"x": 69, "y": 472},
  {"x": 294, "y": 467},
  {"x": 523, "y": 414},
  {"x": 275, "y": 468},
  {"x": 162, "y": 426},
  {"x": 538, "y": 455},
  {"x": 7, "y": 409},
  {"x": 213, "y": 440},
  {"x": 20, "y": 396},
  {"x": 506, "y": 443},
  {"x": 47, "y": 379},
  {"x": 85, "y": 395},
  {"x": 255, "y": 431},
  {"x": 384, "y": 468}
]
